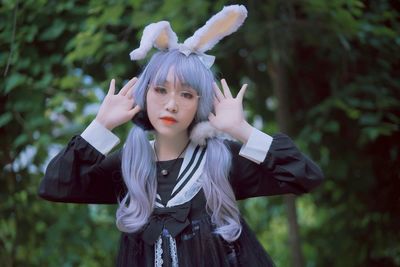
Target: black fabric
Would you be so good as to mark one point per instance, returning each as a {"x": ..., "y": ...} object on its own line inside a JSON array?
[
  {"x": 81, "y": 174},
  {"x": 284, "y": 170},
  {"x": 174, "y": 219},
  {"x": 166, "y": 184},
  {"x": 197, "y": 245}
]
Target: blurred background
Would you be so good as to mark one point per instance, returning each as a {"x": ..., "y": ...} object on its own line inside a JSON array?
[{"x": 324, "y": 72}]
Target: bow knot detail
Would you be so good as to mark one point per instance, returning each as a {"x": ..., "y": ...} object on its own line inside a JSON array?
[
  {"x": 207, "y": 60},
  {"x": 174, "y": 219}
]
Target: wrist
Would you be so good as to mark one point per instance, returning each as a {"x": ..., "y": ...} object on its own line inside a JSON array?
[
  {"x": 242, "y": 131},
  {"x": 103, "y": 122}
]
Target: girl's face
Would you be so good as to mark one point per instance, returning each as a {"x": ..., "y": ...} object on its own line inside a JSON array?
[{"x": 171, "y": 106}]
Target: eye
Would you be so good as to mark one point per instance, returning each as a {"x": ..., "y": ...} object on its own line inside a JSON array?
[
  {"x": 160, "y": 90},
  {"x": 187, "y": 95}
]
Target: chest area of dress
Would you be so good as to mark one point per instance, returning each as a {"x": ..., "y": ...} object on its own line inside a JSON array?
[
  {"x": 165, "y": 192},
  {"x": 177, "y": 183}
]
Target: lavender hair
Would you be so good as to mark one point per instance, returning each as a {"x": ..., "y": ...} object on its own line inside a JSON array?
[{"x": 139, "y": 169}]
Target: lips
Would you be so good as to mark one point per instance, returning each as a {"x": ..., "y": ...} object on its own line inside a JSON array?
[{"x": 168, "y": 120}]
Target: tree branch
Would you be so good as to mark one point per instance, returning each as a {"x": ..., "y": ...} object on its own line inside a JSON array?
[{"x": 12, "y": 39}]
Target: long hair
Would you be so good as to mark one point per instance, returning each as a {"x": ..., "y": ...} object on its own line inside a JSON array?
[{"x": 139, "y": 169}]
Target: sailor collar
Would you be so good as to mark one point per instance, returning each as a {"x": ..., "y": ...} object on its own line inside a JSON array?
[{"x": 189, "y": 180}]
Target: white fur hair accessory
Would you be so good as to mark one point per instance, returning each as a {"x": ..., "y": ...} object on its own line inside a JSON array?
[
  {"x": 161, "y": 36},
  {"x": 203, "y": 131}
]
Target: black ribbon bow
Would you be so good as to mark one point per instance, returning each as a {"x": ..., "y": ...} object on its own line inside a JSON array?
[{"x": 174, "y": 219}]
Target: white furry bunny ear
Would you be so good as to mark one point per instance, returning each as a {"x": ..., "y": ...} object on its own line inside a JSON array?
[
  {"x": 225, "y": 22},
  {"x": 159, "y": 34}
]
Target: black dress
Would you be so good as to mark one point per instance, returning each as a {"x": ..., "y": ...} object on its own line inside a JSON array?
[{"x": 81, "y": 174}]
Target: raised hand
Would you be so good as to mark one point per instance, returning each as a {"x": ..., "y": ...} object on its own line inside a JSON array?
[
  {"x": 229, "y": 115},
  {"x": 116, "y": 109}
]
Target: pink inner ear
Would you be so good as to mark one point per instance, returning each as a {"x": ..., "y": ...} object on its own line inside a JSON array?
[
  {"x": 217, "y": 27},
  {"x": 218, "y": 30},
  {"x": 162, "y": 40}
]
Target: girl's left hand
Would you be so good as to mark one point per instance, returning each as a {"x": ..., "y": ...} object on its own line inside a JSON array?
[{"x": 229, "y": 115}]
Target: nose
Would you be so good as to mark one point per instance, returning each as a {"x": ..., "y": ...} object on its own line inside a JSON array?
[{"x": 171, "y": 105}]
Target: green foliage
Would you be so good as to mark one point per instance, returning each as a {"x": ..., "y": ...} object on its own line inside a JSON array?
[{"x": 341, "y": 59}]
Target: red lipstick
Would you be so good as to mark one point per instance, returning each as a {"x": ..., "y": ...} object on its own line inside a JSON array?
[{"x": 168, "y": 120}]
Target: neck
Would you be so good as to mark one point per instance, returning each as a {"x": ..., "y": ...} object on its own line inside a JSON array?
[{"x": 168, "y": 148}]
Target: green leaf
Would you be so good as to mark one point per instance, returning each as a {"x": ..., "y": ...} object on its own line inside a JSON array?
[
  {"x": 332, "y": 127},
  {"x": 53, "y": 31},
  {"x": 20, "y": 140},
  {"x": 5, "y": 118},
  {"x": 370, "y": 119},
  {"x": 14, "y": 81}
]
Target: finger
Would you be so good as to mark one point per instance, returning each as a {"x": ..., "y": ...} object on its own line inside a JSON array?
[
  {"x": 225, "y": 87},
  {"x": 128, "y": 86},
  {"x": 216, "y": 102},
  {"x": 130, "y": 92},
  {"x": 241, "y": 93},
  {"x": 211, "y": 117},
  {"x": 111, "y": 90},
  {"x": 134, "y": 111},
  {"x": 218, "y": 93}
]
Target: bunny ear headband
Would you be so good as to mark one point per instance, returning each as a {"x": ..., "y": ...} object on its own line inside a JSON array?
[{"x": 161, "y": 36}]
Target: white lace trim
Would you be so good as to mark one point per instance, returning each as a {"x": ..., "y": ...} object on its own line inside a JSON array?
[
  {"x": 158, "y": 251},
  {"x": 158, "y": 261},
  {"x": 174, "y": 254}
]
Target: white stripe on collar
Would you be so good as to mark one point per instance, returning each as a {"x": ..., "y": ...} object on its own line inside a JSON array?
[{"x": 193, "y": 178}]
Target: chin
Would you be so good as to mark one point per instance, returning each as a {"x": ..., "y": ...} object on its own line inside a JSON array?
[{"x": 169, "y": 131}]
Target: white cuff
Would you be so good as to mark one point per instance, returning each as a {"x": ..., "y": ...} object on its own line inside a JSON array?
[
  {"x": 100, "y": 137},
  {"x": 257, "y": 146}
]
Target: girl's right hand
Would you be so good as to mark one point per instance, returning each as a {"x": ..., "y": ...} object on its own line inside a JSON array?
[{"x": 119, "y": 108}]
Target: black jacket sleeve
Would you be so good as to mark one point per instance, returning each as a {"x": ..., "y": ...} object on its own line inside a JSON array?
[
  {"x": 284, "y": 170},
  {"x": 81, "y": 174}
]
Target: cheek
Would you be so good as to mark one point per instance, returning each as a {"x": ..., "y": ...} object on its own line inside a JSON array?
[
  {"x": 150, "y": 108},
  {"x": 193, "y": 112},
  {"x": 147, "y": 103}
]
